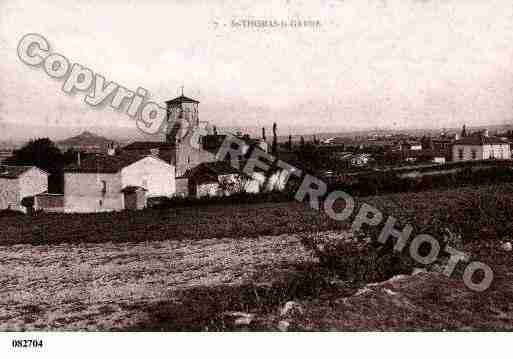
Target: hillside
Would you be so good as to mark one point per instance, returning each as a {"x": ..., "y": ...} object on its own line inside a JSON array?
[{"x": 86, "y": 141}]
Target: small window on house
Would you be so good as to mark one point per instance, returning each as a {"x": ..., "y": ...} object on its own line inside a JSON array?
[
  {"x": 104, "y": 187},
  {"x": 460, "y": 153},
  {"x": 474, "y": 154}
]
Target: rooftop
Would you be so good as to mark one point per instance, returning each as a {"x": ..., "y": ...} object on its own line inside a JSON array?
[
  {"x": 106, "y": 164},
  {"x": 13, "y": 172},
  {"x": 480, "y": 141},
  {"x": 146, "y": 145},
  {"x": 182, "y": 99}
]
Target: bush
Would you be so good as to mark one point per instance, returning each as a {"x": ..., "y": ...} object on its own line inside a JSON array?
[
  {"x": 11, "y": 213},
  {"x": 237, "y": 198},
  {"x": 356, "y": 257}
]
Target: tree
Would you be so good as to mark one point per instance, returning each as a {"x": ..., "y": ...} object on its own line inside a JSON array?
[
  {"x": 464, "y": 131},
  {"x": 289, "y": 145},
  {"x": 236, "y": 183},
  {"x": 43, "y": 154},
  {"x": 274, "y": 147}
]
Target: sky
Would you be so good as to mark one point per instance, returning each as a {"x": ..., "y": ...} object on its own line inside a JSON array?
[{"x": 405, "y": 64}]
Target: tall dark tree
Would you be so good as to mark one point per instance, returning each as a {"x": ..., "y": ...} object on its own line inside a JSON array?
[
  {"x": 302, "y": 142},
  {"x": 289, "y": 144},
  {"x": 43, "y": 153},
  {"x": 274, "y": 147},
  {"x": 263, "y": 133},
  {"x": 464, "y": 131}
]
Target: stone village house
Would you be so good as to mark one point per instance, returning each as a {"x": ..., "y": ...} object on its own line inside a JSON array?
[
  {"x": 116, "y": 182},
  {"x": 20, "y": 182},
  {"x": 480, "y": 147}
]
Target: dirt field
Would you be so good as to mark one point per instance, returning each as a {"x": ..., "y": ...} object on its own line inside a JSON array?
[
  {"x": 153, "y": 270},
  {"x": 104, "y": 286}
]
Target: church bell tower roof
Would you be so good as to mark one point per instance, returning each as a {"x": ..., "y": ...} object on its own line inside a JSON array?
[{"x": 182, "y": 99}]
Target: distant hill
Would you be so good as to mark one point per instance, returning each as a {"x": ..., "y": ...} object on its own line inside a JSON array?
[{"x": 87, "y": 142}]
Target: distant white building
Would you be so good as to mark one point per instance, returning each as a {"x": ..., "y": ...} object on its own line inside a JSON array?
[
  {"x": 222, "y": 179},
  {"x": 411, "y": 146},
  {"x": 480, "y": 147},
  {"x": 20, "y": 182},
  {"x": 355, "y": 160}
]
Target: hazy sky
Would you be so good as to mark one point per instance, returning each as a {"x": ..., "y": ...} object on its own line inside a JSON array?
[{"x": 386, "y": 64}]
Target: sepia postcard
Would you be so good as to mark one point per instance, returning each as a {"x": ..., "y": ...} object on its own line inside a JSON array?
[{"x": 255, "y": 166}]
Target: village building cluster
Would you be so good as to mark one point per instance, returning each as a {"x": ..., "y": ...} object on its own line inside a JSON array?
[
  {"x": 107, "y": 177},
  {"x": 183, "y": 164}
]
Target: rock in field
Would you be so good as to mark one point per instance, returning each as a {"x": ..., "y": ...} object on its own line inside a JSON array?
[
  {"x": 506, "y": 246},
  {"x": 291, "y": 308},
  {"x": 240, "y": 318},
  {"x": 283, "y": 325}
]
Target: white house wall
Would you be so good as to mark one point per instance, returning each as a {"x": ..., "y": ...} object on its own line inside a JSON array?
[
  {"x": 32, "y": 182},
  {"x": 157, "y": 176},
  {"x": 483, "y": 152}
]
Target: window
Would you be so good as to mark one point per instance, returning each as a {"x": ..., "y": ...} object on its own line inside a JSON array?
[
  {"x": 474, "y": 154},
  {"x": 460, "y": 153},
  {"x": 104, "y": 187}
]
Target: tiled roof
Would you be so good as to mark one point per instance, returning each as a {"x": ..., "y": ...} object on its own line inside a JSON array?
[
  {"x": 213, "y": 142},
  {"x": 212, "y": 170},
  {"x": 480, "y": 141},
  {"x": 104, "y": 163},
  {"x": 182, "y": 99},
  {"x": 13, "y": 171},
  {"x": 132, "y": 189},
  {"x": 146, "y": 145}
]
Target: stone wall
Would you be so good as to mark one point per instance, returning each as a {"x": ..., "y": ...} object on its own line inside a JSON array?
[
  {"x": 83, "y": 192},
  {"x": 49, "y": 202},
  {"x": 9, "y": 193},
  {"x": 32, "y": 182},
  {"x": 182, "y": 186}
]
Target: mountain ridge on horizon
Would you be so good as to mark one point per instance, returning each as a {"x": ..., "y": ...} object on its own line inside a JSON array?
[{"x": 19, "y": 134}]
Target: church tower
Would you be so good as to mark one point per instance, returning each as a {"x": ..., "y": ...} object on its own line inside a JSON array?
[
  {"x": 183, "y": 121},
  {"x": 182, "y": 116}
]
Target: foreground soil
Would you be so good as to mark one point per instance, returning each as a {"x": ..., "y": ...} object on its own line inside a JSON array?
[
  {"x": 153, "y": 270},
  {"x": 113, "y": 285},
  {"x": 207, "y": 285}
]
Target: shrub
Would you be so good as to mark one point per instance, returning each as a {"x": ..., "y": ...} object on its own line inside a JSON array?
[
  {"x": 236, "y": 198},
  {"x": 356, "y": 257}
]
